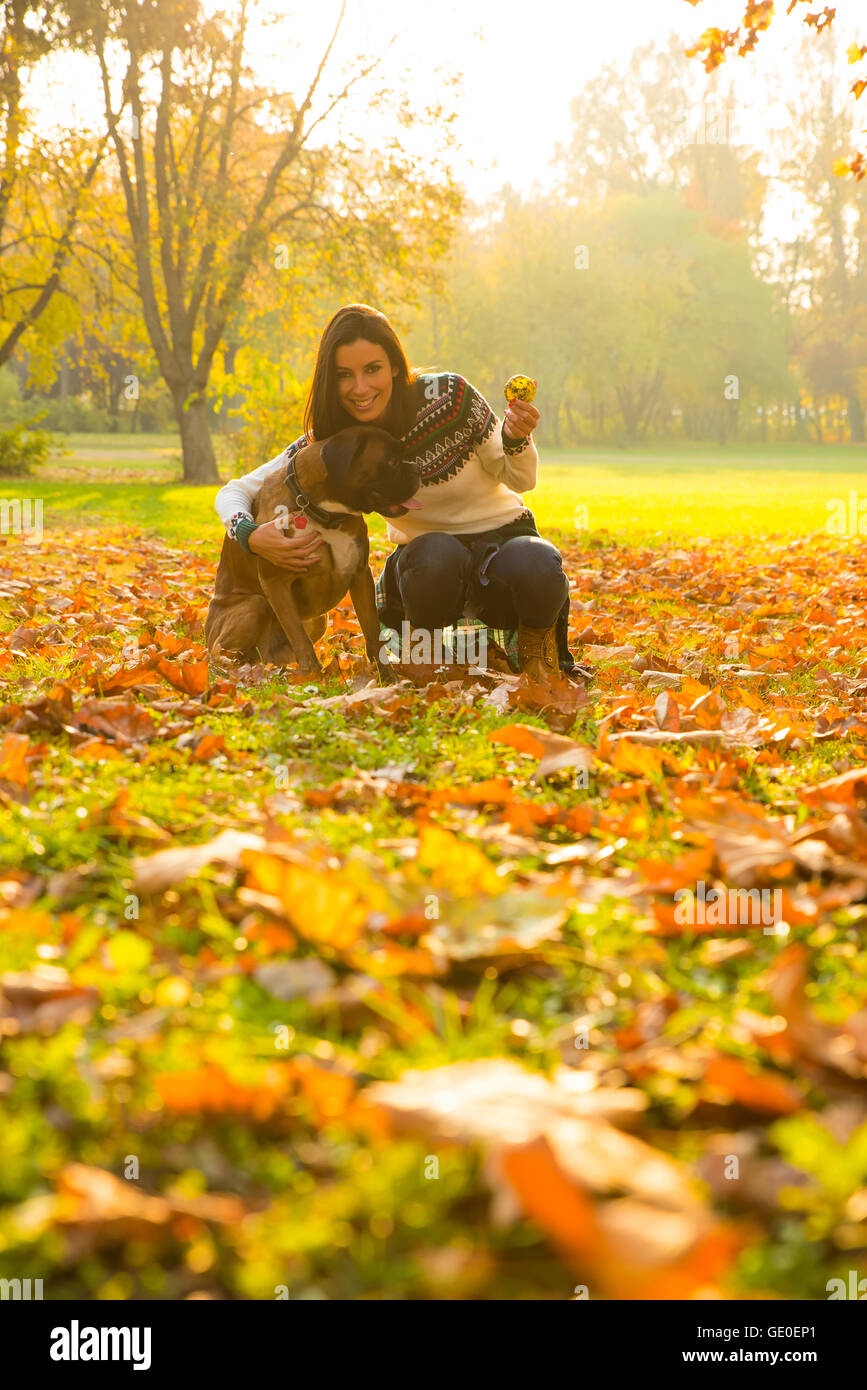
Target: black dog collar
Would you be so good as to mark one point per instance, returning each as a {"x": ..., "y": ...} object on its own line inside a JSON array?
[{"x": 301, "y": 502}]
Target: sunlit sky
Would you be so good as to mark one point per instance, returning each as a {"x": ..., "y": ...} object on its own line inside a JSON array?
[{"x": 523, "y": 62}]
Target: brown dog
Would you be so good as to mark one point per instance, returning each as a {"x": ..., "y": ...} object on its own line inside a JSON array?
[{"x": 269, "y": 614}]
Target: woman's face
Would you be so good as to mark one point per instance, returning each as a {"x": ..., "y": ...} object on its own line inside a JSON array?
[{"x": 365, "y": 378}]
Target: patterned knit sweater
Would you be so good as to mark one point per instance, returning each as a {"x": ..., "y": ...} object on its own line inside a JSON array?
[{"x": 472, "y": 473}]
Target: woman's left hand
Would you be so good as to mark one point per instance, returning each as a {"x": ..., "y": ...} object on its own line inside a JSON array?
[{"x": 520, "y": 419}]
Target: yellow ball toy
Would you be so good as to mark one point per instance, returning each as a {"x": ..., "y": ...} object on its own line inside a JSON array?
[{"x": 520, "y": 388}]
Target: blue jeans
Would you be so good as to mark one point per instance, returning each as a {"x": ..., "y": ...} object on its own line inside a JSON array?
[
  {"x": 522, "y": 581},
  {"x": 498, "y": 577}
]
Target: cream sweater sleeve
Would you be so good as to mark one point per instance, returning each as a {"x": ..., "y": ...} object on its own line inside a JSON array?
[
  {"x": 239, "y": 495},
  {"x": 513, "y": 462}
]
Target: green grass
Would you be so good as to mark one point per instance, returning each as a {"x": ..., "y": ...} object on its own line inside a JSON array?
[
  {"x": 182, "y": 515},
  {"x": 126, "y": 444},
  {"x": 655, "y": 492},
  {"x": 697, "y": 490}
]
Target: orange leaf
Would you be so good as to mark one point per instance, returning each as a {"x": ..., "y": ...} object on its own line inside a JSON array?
[
  {"x": 838, "y": 793},
  {"x": 554, "y": 751},
  {"x": 124, "y": 679},
  {"x": 189, "y": 676},
  {"x": 684, "y": 872},
  {"x": 328, "y": 1091},
  {"x": 634, "y": 1250},
  {"x": 318, "y": 904},
  {"x": 637, "y": 758},
  {"x": 207, "y": 747},
  {"x": 340, "y": 622},
  {"x": 754, "y": 1089},
  {"x": 210, "y": 1089},
  {"x": 13, "y": 759},
  {"x": 692, "y": 690},
  {"x": 170, "y": 643},
  {"x": 558, "y": 1206},
  {"x": 97, "y": 749},
  {"x": 121, "y": 720},
  {"x": 750, "y": 698},
  {"x": 520, "y": 736}
]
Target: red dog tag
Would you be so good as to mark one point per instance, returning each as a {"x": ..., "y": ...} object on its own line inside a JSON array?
[{"x": 300, "y": 523}]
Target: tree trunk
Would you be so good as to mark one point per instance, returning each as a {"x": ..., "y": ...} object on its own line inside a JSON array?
[
  {"x": 229, "y": 423},
  {"x": 855, "y": 412},
  {"x": 114, "y": 391},
  {"x": 629, "y": 412},
  {"x": 200, "y": 466},
  {"x": 553, "y": 421},
  {"x": 650, "y": 394}
]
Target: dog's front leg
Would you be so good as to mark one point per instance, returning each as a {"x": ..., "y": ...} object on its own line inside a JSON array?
[
  {"x": 362, "y": 591},
  {"x": 277, "y": 588}
]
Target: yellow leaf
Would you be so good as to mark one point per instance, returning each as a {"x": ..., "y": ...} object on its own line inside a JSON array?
[
  {"x": 319, "y": 903},
  {"x": 172, "y": 993},
  {"x": 456, "y": 866}
]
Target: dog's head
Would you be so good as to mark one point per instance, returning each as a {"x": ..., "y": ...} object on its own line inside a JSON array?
[{"x": 367, "y": 472}]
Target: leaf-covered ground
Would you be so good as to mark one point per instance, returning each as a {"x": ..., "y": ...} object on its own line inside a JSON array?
[{"x": 350, "y": 992}]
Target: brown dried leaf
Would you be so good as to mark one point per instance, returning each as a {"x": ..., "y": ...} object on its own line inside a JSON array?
[
  {"x": 554, "y": 751},
  {"x": 160, "y": 871}
]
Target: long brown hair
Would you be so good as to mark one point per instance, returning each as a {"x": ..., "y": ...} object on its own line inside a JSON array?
[{"x": 324, "y": 415}]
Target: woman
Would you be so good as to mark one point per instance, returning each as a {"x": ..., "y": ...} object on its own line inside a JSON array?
[{"x": 472, "y": 547}]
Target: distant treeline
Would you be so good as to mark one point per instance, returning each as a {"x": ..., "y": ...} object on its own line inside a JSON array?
[{"x": 673, "y": 281}]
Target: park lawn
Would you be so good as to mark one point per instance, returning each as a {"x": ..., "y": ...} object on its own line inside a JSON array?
[
  {"x": 191, "y": 1058},
  {"x": 694, "y": 491},
  {"x": 642, "y": 495}
]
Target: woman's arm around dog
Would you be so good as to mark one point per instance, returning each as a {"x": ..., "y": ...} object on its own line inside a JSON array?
[{"x": 236, "y": 503}]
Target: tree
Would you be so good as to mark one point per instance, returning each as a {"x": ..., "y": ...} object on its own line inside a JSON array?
[
  {"x": 715, "y": 44},
  {"x": 271, "y": 338},
  {"x": 630, "y": 126},
  {"x": 645, "y": 125},
  {"x": 222, "y": 177},
  {"x": 679, "y": 325},
  {"x": 632, "y": 307},
  {"x": 109, "y": 350},
  {"x": 43, "y": 187},
  {"x": 832, "y": 250}
]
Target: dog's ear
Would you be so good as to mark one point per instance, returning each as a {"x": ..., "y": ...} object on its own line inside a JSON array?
[{"x": 339, "y": 453}]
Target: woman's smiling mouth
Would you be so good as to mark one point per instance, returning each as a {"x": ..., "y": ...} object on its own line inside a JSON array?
[{"x": 364, "y": 407}]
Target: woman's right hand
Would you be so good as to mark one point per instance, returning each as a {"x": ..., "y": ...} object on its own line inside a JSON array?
[{"x": 295, "y": 553}]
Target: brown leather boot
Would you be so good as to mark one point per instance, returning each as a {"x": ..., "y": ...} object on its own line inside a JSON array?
[{"x": 537, "y": 652}]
